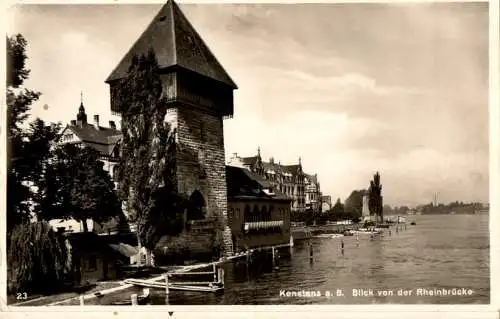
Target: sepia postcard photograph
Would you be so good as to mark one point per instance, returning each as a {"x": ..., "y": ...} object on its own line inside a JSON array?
[{"x": 232, "y": 154}]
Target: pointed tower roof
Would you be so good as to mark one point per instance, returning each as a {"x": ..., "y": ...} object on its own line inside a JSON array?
[
  {"x": 81, "y": 115},
  {"x": 176, "y": 43}
]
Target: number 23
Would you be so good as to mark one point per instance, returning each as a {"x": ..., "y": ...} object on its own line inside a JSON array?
[{"x": 22, "y": 296}]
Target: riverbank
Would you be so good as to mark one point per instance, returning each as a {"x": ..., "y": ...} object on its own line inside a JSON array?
[{"x": 104, "y": 288}]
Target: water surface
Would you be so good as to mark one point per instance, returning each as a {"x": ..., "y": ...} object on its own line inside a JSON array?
[{"x": 439, "y": 252}]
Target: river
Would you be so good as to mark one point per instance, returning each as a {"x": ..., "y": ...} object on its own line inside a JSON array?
[{"x": 439, "y": 252}]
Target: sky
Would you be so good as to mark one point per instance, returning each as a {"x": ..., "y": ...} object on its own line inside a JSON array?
[{"x": 350, "y": 88}]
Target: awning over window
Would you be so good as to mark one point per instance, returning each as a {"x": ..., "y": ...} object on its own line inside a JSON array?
[
  {"x": 125, "y": 249},
  {"x": 264, "y": 225}
]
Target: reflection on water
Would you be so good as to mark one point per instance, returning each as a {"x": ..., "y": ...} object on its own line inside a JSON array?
[{"x": 448, "y": 252}]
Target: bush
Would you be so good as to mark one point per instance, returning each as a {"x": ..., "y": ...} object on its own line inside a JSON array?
[{"x": 36, "y": 258}]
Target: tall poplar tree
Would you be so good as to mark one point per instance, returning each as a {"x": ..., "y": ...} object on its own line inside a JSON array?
[
  {"x": 375, "y": 204},
  {"x": 146, "y": 173}
]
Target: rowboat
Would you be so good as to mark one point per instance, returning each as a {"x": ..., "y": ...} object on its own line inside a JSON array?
[{"x": 192, "y": 286}]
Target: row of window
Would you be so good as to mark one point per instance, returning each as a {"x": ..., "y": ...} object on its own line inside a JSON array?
[
  {"x": 299, "y": 202},
  {"x": 280, "y": 177},
  {"x": 291, "y": 190},
  {"x": 68, "y": 137},
  {"x": 312, "y": 196},
  {"x": 257, "y": 214}
]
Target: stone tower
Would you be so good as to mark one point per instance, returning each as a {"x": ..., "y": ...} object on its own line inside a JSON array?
[
  {"x": 365, "y": 211},
  {"x": 199, "y": 95}
]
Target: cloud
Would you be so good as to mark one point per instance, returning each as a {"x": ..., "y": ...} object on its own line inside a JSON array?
[{"x": 351, "y": 88}]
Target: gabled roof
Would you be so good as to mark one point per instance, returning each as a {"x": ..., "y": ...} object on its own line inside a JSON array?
[
  {"x": 293, "y": 169},
  {"x": 276, "y": 167},
  {"x": 102, "y": 140},
  {"x": 249, "y": 160},
  {"x": 241, "y": 183},
  {"x": 175, "y": 43}
]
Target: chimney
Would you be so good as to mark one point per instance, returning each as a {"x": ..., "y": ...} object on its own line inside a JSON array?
[
  {"x": 73, "y": 122},
  {"x": 112, "y": 125},
  {"x": 96, "y": 121}
]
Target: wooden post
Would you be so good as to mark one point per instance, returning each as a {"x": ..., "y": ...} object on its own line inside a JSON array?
[
  {"x": 342, "y": 246},
  {"x": 215, "y": 273},
  {"x": 220, "y": 274},
  {"x": 134, "y": 299},
  {"x": 291, "y": 240},
  {"x": 274, "y": 256},
  {"x": 82, "y": 300},
  {"x": 166, "y": 284},
  {"x": 311, "y": 252}
]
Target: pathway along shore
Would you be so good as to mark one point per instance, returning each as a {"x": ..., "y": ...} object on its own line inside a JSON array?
[{"x": 183, "y": 269}]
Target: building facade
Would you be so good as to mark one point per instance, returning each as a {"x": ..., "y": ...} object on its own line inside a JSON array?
[
  {"x": 259, "y": 214},
  {"x": 312, "y": 192},
  {"x": 326, "y": 203},
  {"x": 304, "y": 189}
]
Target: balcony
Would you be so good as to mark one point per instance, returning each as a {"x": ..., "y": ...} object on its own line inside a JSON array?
[{"x": 276, "y": 225}]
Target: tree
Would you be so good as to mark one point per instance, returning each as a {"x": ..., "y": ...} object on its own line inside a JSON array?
[
  {"x": 338, "y": 210},
  {"x": 146, "y": 174},
  {"x": 18, "y": 104},
  {"x": 36, "y": 258},
  {"x": 28, "y": 149},
  {"x": 375, "y": 197},
  {"x": 16, "y": 60},
  {"x": 354, "y": 203},
  {"x": 77, "y": 186}
]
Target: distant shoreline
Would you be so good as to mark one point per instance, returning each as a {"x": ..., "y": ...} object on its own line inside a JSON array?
[{"x": 441, "y": 213}]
